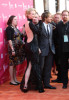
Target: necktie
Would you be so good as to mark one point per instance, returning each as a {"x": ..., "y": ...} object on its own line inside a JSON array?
[{"x": 47, "y": 31}]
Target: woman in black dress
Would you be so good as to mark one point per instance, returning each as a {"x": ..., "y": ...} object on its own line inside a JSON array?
[
  {"x": 32, "y": 53},
  {"x": 15, "y": 48}
]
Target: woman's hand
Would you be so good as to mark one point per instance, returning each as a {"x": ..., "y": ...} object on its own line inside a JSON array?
[{"x": 13, "y": 53}]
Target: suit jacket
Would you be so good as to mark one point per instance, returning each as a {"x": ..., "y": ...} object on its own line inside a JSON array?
[
  {"x": 60, "y": 32},
  {"x": 46, "y": 42}
]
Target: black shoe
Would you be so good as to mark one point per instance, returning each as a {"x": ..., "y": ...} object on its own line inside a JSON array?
[
  {"x": 40, "y": 88},
  {"x": 13, "y": 83},
  {"x": 64, "y": 86},
  {"x": 57, "y": 80},
  {"x": 18, "y": 82},
  {"x": 50, "y": 87},
  {"x": 41, "y": 91},
  {"x": 25, "y": 90}
]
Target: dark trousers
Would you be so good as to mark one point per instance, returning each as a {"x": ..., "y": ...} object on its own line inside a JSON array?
[
  {"x": 45, "y": 63},
  {"x": 64, "y": 67},
  {"x": 57, "y": 62}
]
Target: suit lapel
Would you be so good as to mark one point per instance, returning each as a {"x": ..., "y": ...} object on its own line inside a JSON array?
[
  {"x": 44, "y": 30},
  {"x": 50, "y": 33}
]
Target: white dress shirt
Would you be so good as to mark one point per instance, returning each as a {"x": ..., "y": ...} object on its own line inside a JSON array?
[{"x": 46, "y": 26}]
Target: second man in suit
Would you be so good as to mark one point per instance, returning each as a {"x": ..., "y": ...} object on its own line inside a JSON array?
[{"x": 46, "y": 46}]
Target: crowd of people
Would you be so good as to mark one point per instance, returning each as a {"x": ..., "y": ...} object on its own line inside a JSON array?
[{"x": 46, "y": 43}]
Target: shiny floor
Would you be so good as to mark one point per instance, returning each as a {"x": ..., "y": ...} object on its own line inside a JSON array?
[{"x": 9, "y": 92}]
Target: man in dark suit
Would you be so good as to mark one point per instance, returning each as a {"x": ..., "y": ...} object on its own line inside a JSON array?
[
  {"x": 62, "y": 37},
  {"x": 57, "y": 19},
  {"x": 46, "y": 46}
]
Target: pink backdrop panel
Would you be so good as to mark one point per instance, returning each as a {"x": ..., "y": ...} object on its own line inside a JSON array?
[{"x": 8, "y": 8}]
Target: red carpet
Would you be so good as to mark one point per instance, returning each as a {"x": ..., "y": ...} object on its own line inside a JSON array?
[{"x": 9, "y": 92}]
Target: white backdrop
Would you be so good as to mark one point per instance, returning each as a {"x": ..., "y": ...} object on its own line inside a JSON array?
[{"x": 39, "y": 6}]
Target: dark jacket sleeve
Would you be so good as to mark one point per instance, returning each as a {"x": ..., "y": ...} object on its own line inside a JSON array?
[
  {"x": 9, "y": 33},
  {"x": 33, "y": 28},
  {"x": 55, "y": 35}
]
